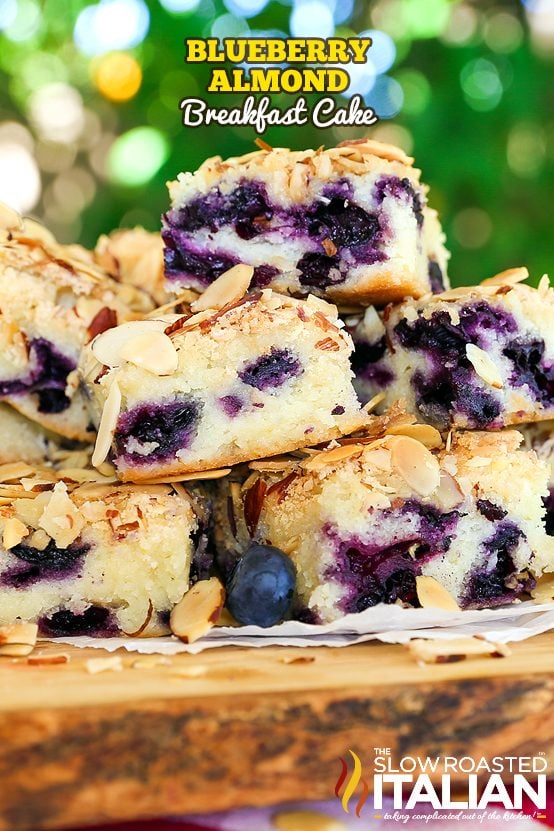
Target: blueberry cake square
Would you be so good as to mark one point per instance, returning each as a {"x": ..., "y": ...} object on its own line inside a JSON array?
[
  {"x": 480, "y": 357},
  {"x": 82, "y": 557},
  {"x": 224, "y": 384},
  {"x": 393, "y": 517},
  {"x": 52, "y": 300},
  {"x": 350, "y": 224}
]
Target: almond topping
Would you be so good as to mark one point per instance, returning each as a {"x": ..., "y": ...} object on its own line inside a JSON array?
[
  {"x": 10, "y": 220},
  {"x": 331, "y": 457},
  {"x": 189, "y": 477},
  {"x": 432, "y": 595},
  {"x": 108, "y": 423},
  {"x": 374, "y": 402},
  {"x": 153, "y": 351},
  {"x": 228, "y": 288},
  {"x": 198, "y": 611},
  {"x": 415, "y": 464},
  {"x": 544, "y": 590},
  {"x": 61, "y": 519},
  {"x": 14, "y": 470},
  {"x": 448, "y": 494},
  {"x": 14, "y": 532},
  {"x": 329, "y": 247},
  {"x": 447, "y": 650},
  {"x": 424, "y": 433},
  {"x": 107, "y": 346},
  {"x": 327, "y": 345},
  {"x": 306, "y": 821},
  {"x": 380, "y": 149},
  {"x": 484, "y": 366},
  {"x": 507, "y": 278}
]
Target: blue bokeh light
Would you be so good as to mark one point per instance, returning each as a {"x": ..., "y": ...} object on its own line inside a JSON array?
[
  {"x": 245, "y": 8},
  {"x": 386, "y": 97},
  {"x": 111, "y": 25},
  {"x": 312, "y": 18},
  {"x": 382, "y": 52}
]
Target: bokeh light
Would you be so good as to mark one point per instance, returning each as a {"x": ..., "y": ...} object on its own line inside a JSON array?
[
  {"x": 136, "y": 156},
  {"x": 312, "y": 18},
  {"x": 8, "y": 13},
  {"x": 56, "y": 111},
  {"x": 417, "y": 91},
  {"x": 386, "y": 97},
  {"x": 180, "y": 6},
  {"x": 20, "y": 183},
  {"x": 110, "y": 25},
  {"x": 481, "y": 84},
  {"x": 245, "y": 8},
  {"x": 472, "y": 227},
  {"x": 229, "y": 26},
  {"x": 382, "y": 51},
  {"x": 117, "y": 76},
  {"x": 26, "y": 21},
  {"x": 526, "y": 149}
]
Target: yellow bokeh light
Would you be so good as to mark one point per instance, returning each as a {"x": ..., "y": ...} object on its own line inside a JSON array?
[{"x": 117, "y": 76}]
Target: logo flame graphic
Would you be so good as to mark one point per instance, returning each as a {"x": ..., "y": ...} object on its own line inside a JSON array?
[{"x": 351, "y": 784}]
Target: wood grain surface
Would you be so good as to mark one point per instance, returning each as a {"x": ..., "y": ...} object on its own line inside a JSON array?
[{"x": 233, "y": 727}]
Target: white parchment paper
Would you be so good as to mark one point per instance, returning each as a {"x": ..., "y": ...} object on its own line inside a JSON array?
[{"x": 391, "y": 624}]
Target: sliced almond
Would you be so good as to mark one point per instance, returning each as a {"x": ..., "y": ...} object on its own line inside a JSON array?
[
  {"x": 61, "y": 519},
  {"x": 14, "y": 470},
  {"x": 153, "y": 351},
  {"x": 484, "y": 366},
  {"x": 10, "y": 220},
  {"x": 448, "y": 494},
  {"x": 374, "y": 402},
  {"x": 424, "y": 433},
  {"x": 415, "y": 464},
  {"x": 189, "y": 477},
  {"x": 107, "y": 347},
  {"x": 108, "y": 424},
  {"x": 228, "y": 288},
  {"x": 48, "y": 660},
  {"x": 14, "y": 532},
  {"x": 331, "y": 457},
  {"x": 19, "y": 633},
  {"x": 381, "y": 149},
  {"x": 198, "y": 611},
  {"x": 463, "y": 293},
  {"x": 544, "y": 285},
  {"x": 306, "y": 821},
  {"x": 507, "y": 278},
  {"x": 544, "y": 590},
  {"x": 446, "y": 650},
  {"x": 111, "y": 664},
  {"x": 432, "y": 595},
  {"x": 16, "y": 650}
]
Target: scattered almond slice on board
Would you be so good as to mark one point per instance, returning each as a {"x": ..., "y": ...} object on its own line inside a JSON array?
[
  {"x": 198, "y": 611},
  {"x": 18, "y": 639},
  {"x": 449, "y": 650}
]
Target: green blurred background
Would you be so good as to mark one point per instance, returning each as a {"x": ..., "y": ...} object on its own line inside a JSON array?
[{"x": 90, "y": 128}]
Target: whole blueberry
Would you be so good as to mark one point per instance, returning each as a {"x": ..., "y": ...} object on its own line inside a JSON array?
[{"x": 261, "y": 587}]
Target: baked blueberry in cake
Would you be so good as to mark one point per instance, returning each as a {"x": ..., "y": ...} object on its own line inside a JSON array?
[
  {"x": 135, "y": 257},
  {"x": 240, "y": 376},
  {"x": 51, "y": 302},
  {"x": 350, "y": 224},
  {"x": 480, "y": 357},
  {"x": 394, "y": 517},
  {"x": 540, "y": 438},
  {"x": 82, "y": 555}
]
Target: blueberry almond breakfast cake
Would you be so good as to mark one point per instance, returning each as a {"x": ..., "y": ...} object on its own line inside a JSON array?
[
  {"x": 83, "y": 554},
  {"x": 248, "y": 378},
  {"x": 52, "y": 301},
  {"x": 350, "y": 224},
  {"x": 391, "y": 517},
  {"x": 239, "y": 377},
  {"x": 480, "y": 357}
]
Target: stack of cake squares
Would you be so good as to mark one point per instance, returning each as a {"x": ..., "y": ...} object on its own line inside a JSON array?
[{"x": 292, "y": 414}]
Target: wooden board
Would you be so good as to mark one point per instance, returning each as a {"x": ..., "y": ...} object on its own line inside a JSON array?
[{"x": 234, "y": 727}]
